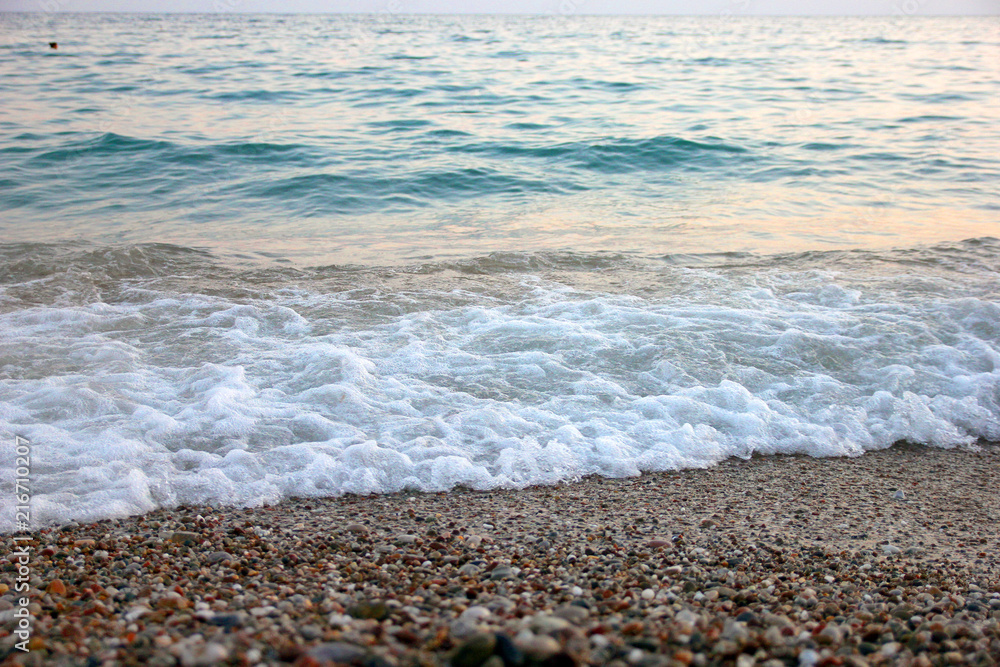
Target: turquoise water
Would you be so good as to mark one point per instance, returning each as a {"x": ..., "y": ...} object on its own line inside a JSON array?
[
  {"x": 374, "y": 139},
  {"x": 249, "y": 257}
]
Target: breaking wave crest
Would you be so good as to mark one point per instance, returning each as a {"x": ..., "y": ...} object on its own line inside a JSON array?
[{"x": 157, "y": 375}]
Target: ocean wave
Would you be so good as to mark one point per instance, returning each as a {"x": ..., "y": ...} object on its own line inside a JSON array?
[
  {"x": 257, "y": 95},
  {"x": 25, "y": 263},
  {"x": 108, "y": 148},
  {"x": 522, "y": 262},
  {"x": 28, "y": 262},
  {"x": 620, "y": 155},
  {"x": 339, "y": 193},
  {"x": 879, "y": 40},
  {"x": 205, "y": 382}
]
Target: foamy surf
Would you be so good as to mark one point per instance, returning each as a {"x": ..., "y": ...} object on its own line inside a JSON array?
[{"x": 155, "y": 376}]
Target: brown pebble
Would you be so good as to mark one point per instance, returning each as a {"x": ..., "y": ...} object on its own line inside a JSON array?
[
  {"x": 684, "y": 656},
  {"x": 633, "y": 628},
  {"x": 180, "y": 537},
  {"x": 173, "y": 602}
]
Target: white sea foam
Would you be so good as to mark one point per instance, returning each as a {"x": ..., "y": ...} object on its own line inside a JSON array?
[{"x": 164, "y": 397}]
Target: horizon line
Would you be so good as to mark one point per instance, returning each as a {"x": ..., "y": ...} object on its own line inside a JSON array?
[{"x": 727, "y": 15}]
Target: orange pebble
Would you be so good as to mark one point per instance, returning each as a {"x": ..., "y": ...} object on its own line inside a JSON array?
[{"x": 56, "y": 587}]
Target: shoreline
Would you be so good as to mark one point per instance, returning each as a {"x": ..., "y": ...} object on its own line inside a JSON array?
[{"x": 787, "y": 559}]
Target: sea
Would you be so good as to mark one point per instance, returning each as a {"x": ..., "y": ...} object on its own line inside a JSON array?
[{"x": 251, "y": 257}]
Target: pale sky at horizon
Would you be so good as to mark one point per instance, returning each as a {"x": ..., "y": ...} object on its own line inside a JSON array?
[{"x": 568, "y": 7}]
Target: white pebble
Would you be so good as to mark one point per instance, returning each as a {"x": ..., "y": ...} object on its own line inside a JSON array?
[
  {"x": 648, "y": 594},
  {"x": 890, "y": 649},
  {"x": 808, "y": 658},
  {"x": 475, "y": 614},
  {"x": 339, "y": 620}
]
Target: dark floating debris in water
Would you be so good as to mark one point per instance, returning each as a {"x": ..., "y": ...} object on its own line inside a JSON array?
[{"x": 53, "y": 45}]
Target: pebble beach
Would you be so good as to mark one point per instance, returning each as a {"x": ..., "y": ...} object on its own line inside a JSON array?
[
  {"x": 566, "y": 338},
  {"x": 888, "y": 558}
]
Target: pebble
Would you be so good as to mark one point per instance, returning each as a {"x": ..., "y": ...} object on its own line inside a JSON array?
[
  {"x": 474, "y": 651},
  {"x": 546, "y": 624},
  {"x": 203, "y": 655},
  {"x": 264, "y": 611},
  {"x": 507, "y": 651},
  {"x": 890, "y": 649},
  {"x": 539, "y": 647},
  {"x": 375, "y": 610},
  {"x": 227, "y": 620},
  {"x": 337, "y": 652},
  {"x": 56, "y": 587},
  {"x": 475, "y": 614},
  {"x": 808, "y": 657},
  {"x": 572, "y": 613},
  {"x": 181, "y": 536}
]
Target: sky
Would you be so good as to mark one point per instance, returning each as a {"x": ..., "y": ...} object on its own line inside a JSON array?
[{"x": 710, "y": 7}]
